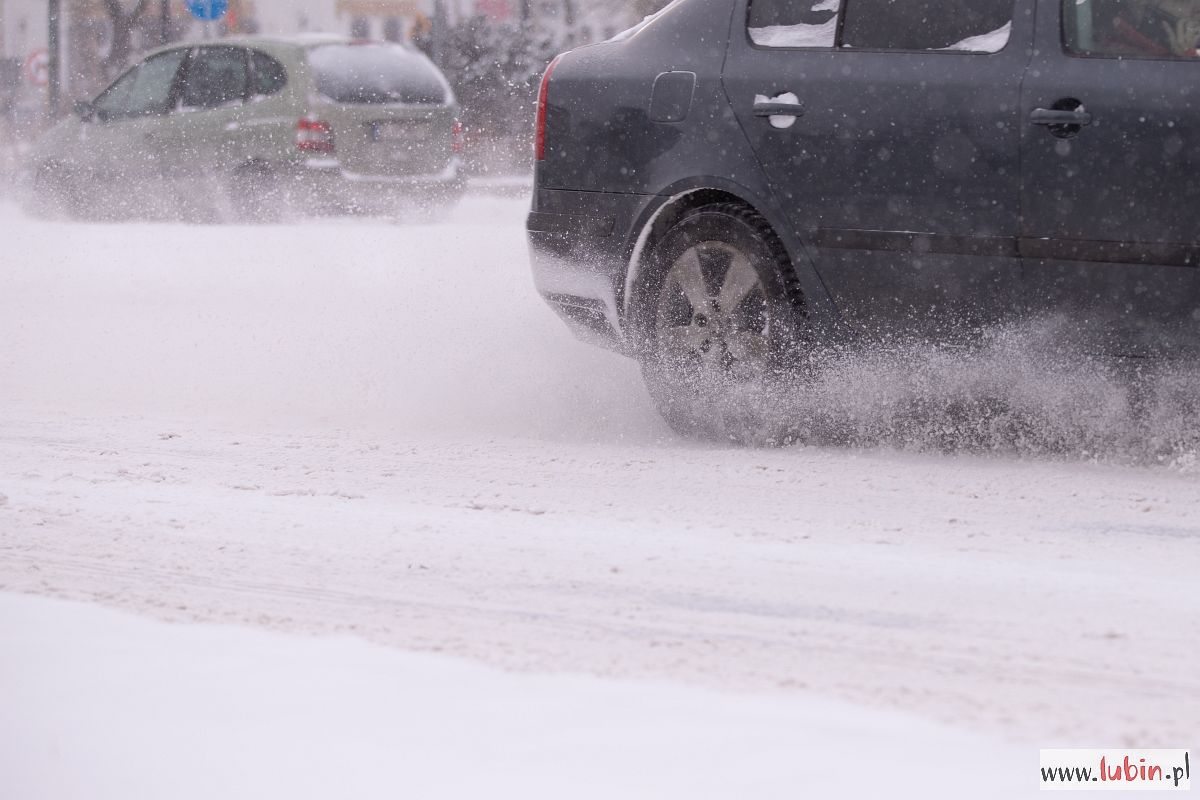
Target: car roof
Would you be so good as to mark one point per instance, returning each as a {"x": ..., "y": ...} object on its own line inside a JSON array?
[{"x": 296, "y": 41}]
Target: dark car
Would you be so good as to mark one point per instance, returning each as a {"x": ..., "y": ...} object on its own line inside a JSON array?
[{"x": 735, "y": 184}]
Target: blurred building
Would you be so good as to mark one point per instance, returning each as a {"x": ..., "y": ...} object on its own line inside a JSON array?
[
  {"x": 23, "y": 22},
  {"x": 87, "y": 35},
  {"x": 95, "y": 46},
  {"x": 393, "y": 19}
]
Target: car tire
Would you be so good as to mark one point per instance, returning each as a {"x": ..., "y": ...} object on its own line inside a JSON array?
[
  {"x": 721, "y": 326},
  {"x": 53, "y": 194},
  {"x": 255, "y": 195}
]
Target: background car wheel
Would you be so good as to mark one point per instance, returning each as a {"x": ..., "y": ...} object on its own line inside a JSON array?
[
  {"x": 721, "y": 325},
  {"x": 53, "y": 193},
  {"x": 255, "y": 195}
]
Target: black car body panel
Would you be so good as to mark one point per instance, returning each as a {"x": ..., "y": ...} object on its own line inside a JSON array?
[
  {"x": 1111, "y": 216},
  {"x": 916, "y": 192},
  {"x": 610, "y": 159}
]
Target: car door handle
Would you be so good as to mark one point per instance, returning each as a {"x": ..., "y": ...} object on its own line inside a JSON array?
[
  {"x": 1055, "y": 116},
  {"x": 778, "y": 109}
]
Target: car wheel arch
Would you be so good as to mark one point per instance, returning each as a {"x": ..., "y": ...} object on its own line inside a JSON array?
[
  {"x": 53, "y": 187},
  {"x": 251, "y": 164},
  {"x": 251, "y": 189},
  {"x": 658, "y": 219}
]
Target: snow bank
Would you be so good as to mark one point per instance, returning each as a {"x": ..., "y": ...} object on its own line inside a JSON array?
[{"x": 101, "y": 705}]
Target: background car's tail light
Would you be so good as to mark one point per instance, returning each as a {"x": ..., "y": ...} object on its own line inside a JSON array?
[
  {"x": 314, "y": 136},
  {"x": 543, "y": 92},
  {"x": 457, "y": 140}
]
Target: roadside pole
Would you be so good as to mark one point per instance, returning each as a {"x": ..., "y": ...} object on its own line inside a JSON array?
[
  {"x": 164, "y": 21},
  {"x": 440, "y": 21},
  {"x": 53, "y": 45}
]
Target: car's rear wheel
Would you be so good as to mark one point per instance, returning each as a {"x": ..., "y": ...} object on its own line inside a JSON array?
[
  {"x": 721, "y": 325},
  {"x": 255, "y": 194}
]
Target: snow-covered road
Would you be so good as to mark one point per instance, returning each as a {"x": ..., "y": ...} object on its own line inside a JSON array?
[
  {"x": 115, "y": 706},
  {"x": 355, "y": 426}
]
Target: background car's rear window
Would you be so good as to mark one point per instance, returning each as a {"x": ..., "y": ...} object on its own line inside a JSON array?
[
  {"x": 214, "y": 77},
  {"x": 376, "y": 74},
  {"x": 269, "y": 75}
]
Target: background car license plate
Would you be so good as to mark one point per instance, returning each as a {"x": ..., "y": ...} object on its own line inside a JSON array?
[{"x": 399, "y": 132}]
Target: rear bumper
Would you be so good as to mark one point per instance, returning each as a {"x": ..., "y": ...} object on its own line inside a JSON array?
[
  {"x": 580, "y": 244},
  {"x": 329, "y": 182}
]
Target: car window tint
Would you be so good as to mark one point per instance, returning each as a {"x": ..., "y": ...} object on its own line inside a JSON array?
[
  {"x": 793, "y": 23},
  {"x": 980, "y": 26},
  {"x": 145, "y": 89},
  {"x": 215, "y": 76},
  {"x": 1132, "y": 28},
  {"x": 376, "y": 74},
  {"x": 269, "y": 76}
]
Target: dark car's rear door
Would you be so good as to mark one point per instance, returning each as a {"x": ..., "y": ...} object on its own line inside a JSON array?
[
  {"x": 901, "y": 167},
  {"x": 1111, "y": 169}
]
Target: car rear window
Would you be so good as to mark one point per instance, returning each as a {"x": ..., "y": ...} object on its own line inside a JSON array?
[
  {"x": 214, "y": 77},
  {"x": 376, "y": 74},
  {"x": 980, "y": 26},
  {"x": 786, "y": 23},
  {"x": 977, "y": 26}
]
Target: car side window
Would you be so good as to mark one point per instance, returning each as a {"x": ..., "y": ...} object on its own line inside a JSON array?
[
  {"x": 977, "y": 26},
  {"x": 788, "y": 23},
  {"x": 146, "y": 89},
  {"x": 1132, "y": 28},
  {"x": 974, "y": 26},
  {"x": 215, "y": 76},
  {"x": 268, "y": 75}
]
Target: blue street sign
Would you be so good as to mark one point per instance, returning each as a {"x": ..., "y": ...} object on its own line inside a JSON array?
[{"x": 208, "y": 10}]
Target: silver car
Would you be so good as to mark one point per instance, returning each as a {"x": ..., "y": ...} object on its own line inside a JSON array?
[{"x": 249, "y": 128}]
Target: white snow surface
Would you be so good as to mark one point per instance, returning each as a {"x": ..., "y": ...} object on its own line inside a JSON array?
[
  {"x": 356, "y": 427},
  {"x": 201, "y": 711}
]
